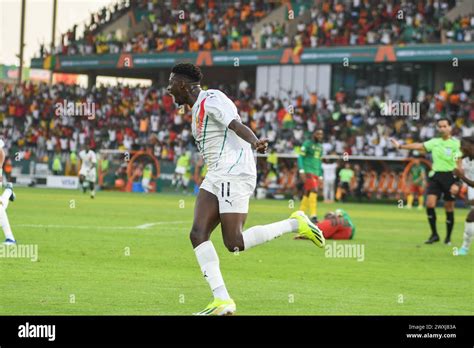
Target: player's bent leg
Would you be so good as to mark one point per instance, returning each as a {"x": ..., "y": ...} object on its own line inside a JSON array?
[
  {"x": 8, "y": 195},
  {"x": 5, "y": 223},
  {"x": 83, "y": 183},
  {"x": 206, "y": 218},
  {"x": 232, "y": 225},
  {"x": 236, "y": 240},
  {"x": 308, "y": 230},
  {"x": 468, "y": 232},
  {"x": 92, "y": 188}
]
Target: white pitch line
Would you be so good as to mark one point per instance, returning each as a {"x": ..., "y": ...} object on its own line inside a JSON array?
[
  {"x": 140, "y": 227},
  {"x": 145, "y": 226}
]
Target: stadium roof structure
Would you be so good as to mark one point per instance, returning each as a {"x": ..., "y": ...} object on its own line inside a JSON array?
[{"x": 142, "y": 64}]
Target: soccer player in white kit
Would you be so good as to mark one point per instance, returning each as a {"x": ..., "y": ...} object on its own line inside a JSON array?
[
  {"x": 467, "y": 148},
  {"x": 87, "y": 174},
  {"x": 7, "y": 196},
  {"x": 226, "y": 146}
]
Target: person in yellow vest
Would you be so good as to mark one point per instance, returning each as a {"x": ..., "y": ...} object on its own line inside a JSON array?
[
  {"x": 272, "y": 159},
  {"x": 73, "y": 162},
  {"x": 57, "y": 165},
  {"x": 146, "y": 177},
  {"x": 181, "y": 177}
]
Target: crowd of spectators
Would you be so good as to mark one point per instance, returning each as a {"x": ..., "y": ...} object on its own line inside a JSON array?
[
  {"x": 333, "y": 23},
  {"x": 181, "y": 26},
  {"x": 171, "y": 26},
  {"x": 125, "y": 117}
]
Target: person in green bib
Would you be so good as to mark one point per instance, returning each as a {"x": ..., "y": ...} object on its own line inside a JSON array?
[
  {"x": 446, "y": 153},
  {"x": 147, "y": 176},
  {"x": 57, "y": 165},
  {"x": 345, "y": 177}
]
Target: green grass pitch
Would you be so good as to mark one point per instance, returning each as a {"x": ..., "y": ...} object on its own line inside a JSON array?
[{"x": 93, "y": 260}]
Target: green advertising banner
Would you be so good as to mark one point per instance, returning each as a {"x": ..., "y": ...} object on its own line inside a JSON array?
[
  {"x": 10, "y": 72},
  {"x": 334, "y": 55}
]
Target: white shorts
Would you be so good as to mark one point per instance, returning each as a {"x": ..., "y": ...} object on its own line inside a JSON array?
[
  {"x": 470, "y": 193},
  {"x": 89, "y": 175},
  {"x": 232, "y": 192},
  {"x": 180, "y": 170}
]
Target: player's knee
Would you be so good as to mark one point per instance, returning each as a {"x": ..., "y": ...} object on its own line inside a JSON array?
[
  {"x": 234, "y": 245},
  {"x": 197, "y": 236},
  {"x": 470, "y": 217},
  {"x": 430, "y": 205}
]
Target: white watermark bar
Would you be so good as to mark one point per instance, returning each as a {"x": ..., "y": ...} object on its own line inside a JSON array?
[
  {"x": 406, "y": 109},
  {"x": 345, "y": 251},
  {"x": 75, "y": 109},
  {"x": 19, "y": 251}
]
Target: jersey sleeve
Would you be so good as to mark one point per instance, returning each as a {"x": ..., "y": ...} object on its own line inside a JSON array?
[
  {"x": 430, "y": 144},
  {"x": 303, "y": 151},
  {"x": 220, "y": 110},
  {"x": 93, "y": 158},
  {"x": 300, "y": 162}
]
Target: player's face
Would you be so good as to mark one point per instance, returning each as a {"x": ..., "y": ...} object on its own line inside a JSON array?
[
  {"x": 318, "y": 135},
  {"x": 444, "y": 128},
  {"x": 176, "y": 89}
]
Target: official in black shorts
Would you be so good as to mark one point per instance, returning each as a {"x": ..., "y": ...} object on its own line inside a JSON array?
[
  {"x": 440, "y": 183},
  {"x": 446, "y": 154}
]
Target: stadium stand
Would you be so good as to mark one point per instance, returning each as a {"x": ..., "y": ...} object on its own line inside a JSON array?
[{"x": 201, "y": 25}]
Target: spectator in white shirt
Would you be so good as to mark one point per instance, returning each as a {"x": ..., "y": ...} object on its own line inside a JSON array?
[{"x": 329, "y": 181}]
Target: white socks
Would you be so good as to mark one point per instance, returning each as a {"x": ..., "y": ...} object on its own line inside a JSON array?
[
  {"x": 261, "y": 234},
  {"x": 468, "y": 234},
  {"x": 5, "y": 223},
  {"x": 209, "y": 263}
]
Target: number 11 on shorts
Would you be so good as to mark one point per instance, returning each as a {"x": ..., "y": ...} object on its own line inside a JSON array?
[{"x": 223, "y": 190}]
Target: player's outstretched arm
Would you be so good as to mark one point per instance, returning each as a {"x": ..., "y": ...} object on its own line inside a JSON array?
[
  {"x": 246, "y": 133},
  {"x": 414, "y": 146}
]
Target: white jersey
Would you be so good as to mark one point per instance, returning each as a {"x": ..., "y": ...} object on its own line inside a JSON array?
[
  {"x": 224, "y": 152},
  {"x": 2, "y": 144},
  {"x": 329, "y": 171},
  {"x": 468, "y": 166},
  {"x": 88, "y": 159}
]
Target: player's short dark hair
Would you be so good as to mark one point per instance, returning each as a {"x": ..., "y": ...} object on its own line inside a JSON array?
[
  {"x": 191, "y": 71},
  {"x": 444, "y": 119}
]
